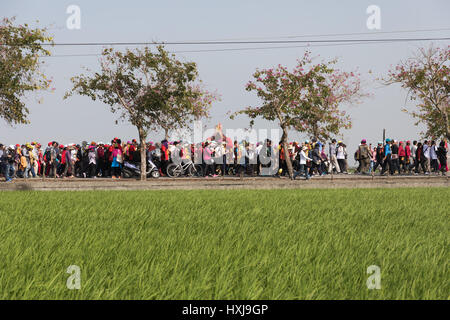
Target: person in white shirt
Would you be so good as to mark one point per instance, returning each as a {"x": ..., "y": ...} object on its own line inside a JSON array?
[
  {"x": 413, "y": 156},
  {"x": 341, "y": 157},
  {"x": 332, "y": 156},
  {"x": 433, "y": 157},
  {"x": 426, "y": 153},
  {"x": 302, "y": 164}
]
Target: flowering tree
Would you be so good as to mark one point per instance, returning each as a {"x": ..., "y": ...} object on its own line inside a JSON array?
[
  {"x": 426, "y": 76},
  {"x": 306, "y": 99},
  {"x": 200, "y": 101},
  {"x": 146, "y": 88},
  {"x": 20, "y": 48}
]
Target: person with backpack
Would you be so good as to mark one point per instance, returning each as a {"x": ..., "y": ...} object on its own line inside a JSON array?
[
  {"x": 357, "y": 159},
  {"x": 364, "y": 156},
  {"x": 9, "y": 157}
]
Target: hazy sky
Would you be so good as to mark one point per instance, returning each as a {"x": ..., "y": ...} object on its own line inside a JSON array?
[{"x": 79, "y": 118}]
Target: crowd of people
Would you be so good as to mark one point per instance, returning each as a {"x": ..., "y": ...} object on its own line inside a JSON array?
[{"x": 220, "y": 155}]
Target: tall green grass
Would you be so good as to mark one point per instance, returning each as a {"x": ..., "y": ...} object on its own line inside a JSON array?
[{"x": 234, "y": 244}]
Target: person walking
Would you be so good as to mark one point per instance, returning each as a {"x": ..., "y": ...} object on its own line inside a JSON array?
[
  {"x": 54, "y": 152},
  {"x": 316, "y": 160},
  {"x": 364, "y": 153},
  {"x": 207, "y": 159},
  {"x": 332, "y": 155},
  {"x": 427, "y": 155},
  {"x": 9, "y": 157},
  {"x": 378, "y": 156},
  {"x": 434, "y": 165},
  {"x": 395, "y": 157},
  {"x": 442, "y": 156},
  {"x": 302, "y": 163},
  {"x": 420, "y": 159},
  {"x": 413, "y": 156},
  {"x": 408, "y": 156},
  {"x": 387, "y": 158},
  {"x": 116, "y": 160},
  {"x": 341, "y": 156},
  {"x": 164, "y": 157}
]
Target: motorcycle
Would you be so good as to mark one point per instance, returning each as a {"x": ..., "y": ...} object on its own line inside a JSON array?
[{"x": 133, "y": 170}]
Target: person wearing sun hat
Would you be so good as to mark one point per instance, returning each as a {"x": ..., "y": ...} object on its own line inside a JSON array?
[{"x": 303, "y": 158}]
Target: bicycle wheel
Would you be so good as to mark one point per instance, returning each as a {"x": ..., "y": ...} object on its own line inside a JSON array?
[
  {"x": 195, "y": 170},
  {"x": 174, "y": 170},
  {"x": 155, "y": 174}
]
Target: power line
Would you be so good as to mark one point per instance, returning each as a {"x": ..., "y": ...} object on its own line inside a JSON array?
[
  {"x": 230, "y": 49},
  {"x": 236, "y": 42},
  {"x": 334, "y": 34}
]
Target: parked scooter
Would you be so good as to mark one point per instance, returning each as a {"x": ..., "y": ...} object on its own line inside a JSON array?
[{"x": 133, "y": 169}]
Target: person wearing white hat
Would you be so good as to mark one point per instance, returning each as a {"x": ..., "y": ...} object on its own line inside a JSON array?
[{"x": 302, "y": 163}]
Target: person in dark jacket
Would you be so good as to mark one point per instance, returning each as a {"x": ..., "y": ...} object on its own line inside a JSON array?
[
  {"x": 420, "y": 158},
  {"x": 379, "y": 156},
  {"x": 442, "y": 156},
  {"x": 316, "y": 160}
]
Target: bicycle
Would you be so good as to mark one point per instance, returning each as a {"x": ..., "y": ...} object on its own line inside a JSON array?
[{"x": 192, "y": 170}]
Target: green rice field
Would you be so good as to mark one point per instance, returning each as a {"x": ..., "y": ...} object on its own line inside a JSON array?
[{"x": 225, "y": 244}]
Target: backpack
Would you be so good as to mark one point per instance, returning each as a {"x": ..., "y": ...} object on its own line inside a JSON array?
[
  {"x": 356, "y": 155},
  {"x": 47, "y": 155},
  {"x": 101, "y": 152},
  {"x": 364, "y": 152}
]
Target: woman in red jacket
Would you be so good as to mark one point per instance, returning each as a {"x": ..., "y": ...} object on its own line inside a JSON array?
[{"x": 164, "y": 157}]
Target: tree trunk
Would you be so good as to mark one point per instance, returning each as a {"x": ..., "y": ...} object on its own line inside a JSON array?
[
  {"x": 143, "y": 150},
  {"x": 284, "y": 142},
  {"x": 166, "y": 134},
  {"x": 447, "y": 129}
]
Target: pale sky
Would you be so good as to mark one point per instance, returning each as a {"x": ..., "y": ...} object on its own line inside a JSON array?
[{"x": 79, "y": 118}]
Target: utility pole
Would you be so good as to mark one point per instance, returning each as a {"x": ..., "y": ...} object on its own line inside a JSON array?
[{"x": 384, "y": 136}]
